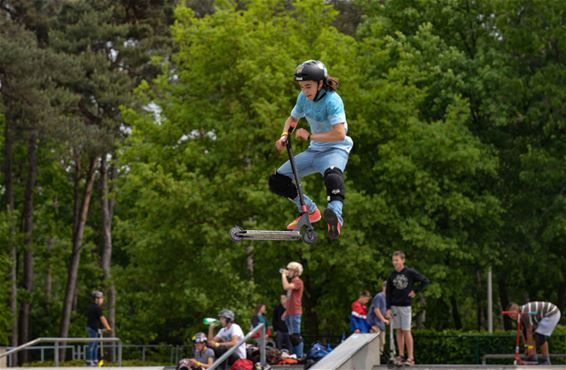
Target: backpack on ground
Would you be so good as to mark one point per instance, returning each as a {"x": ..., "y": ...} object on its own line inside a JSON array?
[
  {"x": 273, "y": 355},
  {"x": 317, "y": 352},
  {"x": 242, "y": 364}
]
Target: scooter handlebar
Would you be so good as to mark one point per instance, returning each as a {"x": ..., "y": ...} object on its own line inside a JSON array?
[{"x": 512, "y": 312}]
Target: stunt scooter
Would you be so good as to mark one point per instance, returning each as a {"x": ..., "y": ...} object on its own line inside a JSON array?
[
  {"x": 392, "y": 362},
  {"x": 518, "y": 360},
  {"x": 101, "y": 360},
  {"x": 238, "y": 233}
]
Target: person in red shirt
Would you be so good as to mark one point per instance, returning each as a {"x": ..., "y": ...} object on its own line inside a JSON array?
[
  {"x": 292, "y": 283},
  {"x": 358, "y": 318}
]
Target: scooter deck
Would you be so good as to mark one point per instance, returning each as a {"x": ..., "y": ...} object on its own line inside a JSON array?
[{"x": 238, "y": 234}]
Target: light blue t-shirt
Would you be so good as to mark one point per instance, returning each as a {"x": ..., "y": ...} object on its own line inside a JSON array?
[{"x": 321, "y": 116}]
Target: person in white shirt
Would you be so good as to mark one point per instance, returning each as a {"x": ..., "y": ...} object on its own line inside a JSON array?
[{"x": 228, "y": 336}]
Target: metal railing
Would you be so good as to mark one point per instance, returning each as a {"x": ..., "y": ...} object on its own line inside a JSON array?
[
  {"x": 56, "y": 342},
  {"x": 512, "y": 356},
  {"x": 262, "y": 348}
]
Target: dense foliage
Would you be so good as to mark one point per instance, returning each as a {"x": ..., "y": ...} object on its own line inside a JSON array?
[{"x": 170, "y": 110}]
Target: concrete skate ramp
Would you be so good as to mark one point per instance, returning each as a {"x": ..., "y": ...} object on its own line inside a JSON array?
[
  {"x": 300, "y": 367},
  {"x": 478, "y": 367},
  {"x": 358, "y": 352}
]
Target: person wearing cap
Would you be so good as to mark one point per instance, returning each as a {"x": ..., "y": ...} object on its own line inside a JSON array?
[
  {"x": 95, "y": 322},
  {"x": 228, "y": 336},
  {"x": 203, "y": 357},
  {"x": 292, "y": 283},
  {"x": 329, "y": 146}
]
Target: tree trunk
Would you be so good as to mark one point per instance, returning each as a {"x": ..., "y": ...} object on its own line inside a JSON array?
[
  {"x": 421, "y": 316},
  {"x": 561, "y": 301},
  {"x": 107, "y": 212},
  {"x": 12, "y": 247},
  {"x": 27, "y": 228},
  {"x": 48, "y": 284},
  {"x": 78, "y": 233},
  {"x": 77, "y": 195},
  {"x": 504, "y": 299},
  {"x": 456, "y": 313},
  {"x": 250, "y": 261},
  {"x": 479, "y": 301}
]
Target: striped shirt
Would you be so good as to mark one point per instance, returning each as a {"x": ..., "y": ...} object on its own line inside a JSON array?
[{"x": 533, "y": 312}]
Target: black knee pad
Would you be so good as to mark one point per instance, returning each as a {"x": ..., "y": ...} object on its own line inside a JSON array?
[
  {"x": 334, "y": 181},
  {"x": 540, "y": 339},
  {"x": 296, "y": 339},
  {"x": 282, "y": 185}
]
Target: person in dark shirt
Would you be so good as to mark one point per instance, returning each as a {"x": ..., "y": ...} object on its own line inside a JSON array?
[
  {"x": 95, "y": 321},
  {"x": 282, "y": 340},
  {"x": 402, "y": 286}
]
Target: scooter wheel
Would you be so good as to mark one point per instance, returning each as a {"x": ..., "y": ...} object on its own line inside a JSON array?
[
  {"x": 235, "y": 233},
  {"x": 309, "y": 236}
]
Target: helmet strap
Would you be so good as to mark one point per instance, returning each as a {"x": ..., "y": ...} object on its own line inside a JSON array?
[{"x": 321, "y": 92}]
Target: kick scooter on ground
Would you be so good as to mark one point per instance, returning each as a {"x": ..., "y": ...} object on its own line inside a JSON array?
[
  {"x": 308, "y": 235},
  {"x": 392, "y": 362},
  {"x": 518, "y": 360}
]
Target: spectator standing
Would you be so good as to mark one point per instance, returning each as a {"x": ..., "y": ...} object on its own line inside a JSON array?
[
  {"x": 376, "y": 316},
  {"x": 292, "y": 283},
  {"x": 281, "y": 332},
  {"x": 95, "y": 322},
  {"x": 402, "y": 286},
  {"x": 259, "y": 318}
]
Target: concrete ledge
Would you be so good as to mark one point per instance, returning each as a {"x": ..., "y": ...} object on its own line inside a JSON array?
[
  {"x": 86, "y": 367},
  {"x": 476, "y": 367},
  {"x": 297, "y": 367}
]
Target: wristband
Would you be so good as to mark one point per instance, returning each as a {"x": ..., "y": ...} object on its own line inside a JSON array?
[
  {"x": 530, "y": 347},
  {"x": 284, "y": 133}
]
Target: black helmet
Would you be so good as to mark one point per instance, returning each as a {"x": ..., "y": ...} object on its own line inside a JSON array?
[{"x": 311, "y": 70}]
